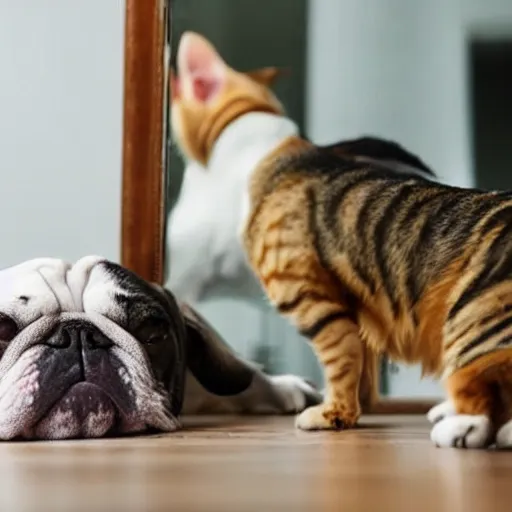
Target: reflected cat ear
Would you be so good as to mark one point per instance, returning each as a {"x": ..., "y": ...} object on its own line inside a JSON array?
[
  {"x": 202, "y": 71},
  {"x": 266, "y": 76}
]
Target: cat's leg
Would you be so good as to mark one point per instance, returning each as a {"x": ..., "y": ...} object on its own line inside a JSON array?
[
  {"x": 301, "y": 289},
  {"x": 339, "y": 348},
  {"x": 470, "y": 426}
]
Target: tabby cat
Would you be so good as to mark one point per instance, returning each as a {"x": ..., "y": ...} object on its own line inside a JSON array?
[{"x": 362, "y": 250}]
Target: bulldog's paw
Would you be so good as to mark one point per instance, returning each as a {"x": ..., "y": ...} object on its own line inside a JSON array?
[
  {"x": 327, "y": 417},
  {"x": 504, "y": 437},
  {"x": 462, "y": 431},
  {"x": 441, "y": 411},
  {"x": 296, "y": 392}
]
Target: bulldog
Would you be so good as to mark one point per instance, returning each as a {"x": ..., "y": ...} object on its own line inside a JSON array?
[{"x": 91, "y": 350}]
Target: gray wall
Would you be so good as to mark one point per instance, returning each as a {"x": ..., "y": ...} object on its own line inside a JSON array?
[
  {"x": 60, "y": 128},
  {"x": 395, "y": 68}
]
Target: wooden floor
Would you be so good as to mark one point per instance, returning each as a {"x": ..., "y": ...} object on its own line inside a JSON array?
[{"x": 258, "y": 464}]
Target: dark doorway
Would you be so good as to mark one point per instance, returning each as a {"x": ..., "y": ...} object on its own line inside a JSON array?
[{"x": 491, "y": 82}]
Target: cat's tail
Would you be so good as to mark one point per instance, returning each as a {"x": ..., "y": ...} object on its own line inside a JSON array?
[{"x": 383, "y": 153}]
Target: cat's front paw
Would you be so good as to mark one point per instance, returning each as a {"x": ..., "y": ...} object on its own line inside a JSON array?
[
  {"x": 327, "y": 416},
  {"x": 441, "y": 411},
  {"x": 462, "y": 431}
]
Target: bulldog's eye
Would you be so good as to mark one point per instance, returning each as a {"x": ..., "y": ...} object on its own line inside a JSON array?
[
  {"x": 152, "y": 331},
  {"x": 8, "y": 328},
  {"x": 154, "y": 339}
]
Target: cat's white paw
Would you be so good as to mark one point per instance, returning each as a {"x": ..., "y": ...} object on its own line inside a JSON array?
[
  {"x": 441, "y": 411},
  {"x": 504, "y": 437},
  {"x": 462, "y": 431},
  {"x": 296, "y": 392}
]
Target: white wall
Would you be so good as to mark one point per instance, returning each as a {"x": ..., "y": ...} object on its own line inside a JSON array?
[
  {"x": 393, "y": 68},
  {"x": 486, "y": 18},
  {"x": 60, "y": 128}
]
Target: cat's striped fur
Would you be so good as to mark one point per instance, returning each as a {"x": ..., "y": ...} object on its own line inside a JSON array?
[
  {"x": 361, "y": 256},
  {"x": 366, "y": 258}
]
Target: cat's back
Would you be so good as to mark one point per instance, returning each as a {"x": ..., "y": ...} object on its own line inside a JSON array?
[
  {"x": 297, "y": 159},
  {"x": 348, "y": 199}
]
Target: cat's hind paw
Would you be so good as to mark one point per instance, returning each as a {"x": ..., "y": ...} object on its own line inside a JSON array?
[
  {"x": 462, "y": 431},
  {"x": 504, "y": 437}
]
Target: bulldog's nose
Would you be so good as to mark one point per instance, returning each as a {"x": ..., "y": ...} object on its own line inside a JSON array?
[{"x": 78, "y": 334}]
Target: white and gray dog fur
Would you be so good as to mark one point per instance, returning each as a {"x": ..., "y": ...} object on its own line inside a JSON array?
[{"x": 91, "y": 350}]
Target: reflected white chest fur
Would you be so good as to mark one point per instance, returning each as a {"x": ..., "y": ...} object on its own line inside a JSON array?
[{"x": 205, "y": 226}]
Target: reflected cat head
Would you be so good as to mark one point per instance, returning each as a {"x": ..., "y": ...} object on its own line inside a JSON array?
[{"x": 207, "y": 94}]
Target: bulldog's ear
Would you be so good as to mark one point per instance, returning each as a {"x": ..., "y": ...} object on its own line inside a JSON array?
[
  {"x": 211, "y": 361},
  {"x": 266, "y": 76}
]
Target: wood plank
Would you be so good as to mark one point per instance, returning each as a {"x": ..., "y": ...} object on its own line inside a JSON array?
[{"x": 256, "y": 464}]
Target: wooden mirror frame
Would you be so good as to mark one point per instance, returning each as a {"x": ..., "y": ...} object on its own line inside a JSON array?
[
  {"x": 147, "y": 30},
  {"x": 144, "y": 122}
]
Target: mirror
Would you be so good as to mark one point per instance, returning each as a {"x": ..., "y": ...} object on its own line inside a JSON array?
[
  {"x": 432, "y": 76},
  {"x": 231, "y": 299}
]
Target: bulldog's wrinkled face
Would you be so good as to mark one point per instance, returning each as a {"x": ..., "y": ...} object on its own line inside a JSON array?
[{"x": 86, "y": 350}]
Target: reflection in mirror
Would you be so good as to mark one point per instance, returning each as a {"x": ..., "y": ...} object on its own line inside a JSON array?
[
  {"x": 348, "y": 75},
  {"x": 205, "y": 260}
]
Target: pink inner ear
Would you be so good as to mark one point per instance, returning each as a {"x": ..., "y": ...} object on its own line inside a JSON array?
[
  {"x": 201, "y": 66},
  {"x": 205, "y": 89}
]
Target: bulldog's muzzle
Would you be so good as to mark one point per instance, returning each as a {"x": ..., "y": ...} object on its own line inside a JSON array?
[
  {"x": 76, "y": 382},
  {"x": 87, "y": 389},
  {"x": 76, "y": 364}
]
